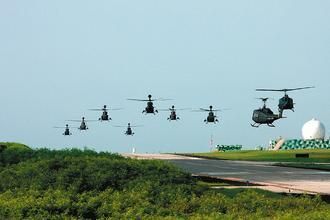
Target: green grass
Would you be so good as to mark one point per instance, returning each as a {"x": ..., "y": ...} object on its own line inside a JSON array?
[{"x": 315, "y": 155}]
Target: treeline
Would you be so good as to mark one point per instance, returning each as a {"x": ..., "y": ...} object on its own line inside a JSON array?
[{"x": 84, "y": 184}]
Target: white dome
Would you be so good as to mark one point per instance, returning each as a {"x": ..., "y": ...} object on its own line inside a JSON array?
[{"x": 313, "y": 129}]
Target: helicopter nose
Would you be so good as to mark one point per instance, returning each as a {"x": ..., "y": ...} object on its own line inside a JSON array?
[
  {"x": 172, "y": 106},
  {"x": 149, "y": 96},
  {"x": 104, "y": 106},
  {"x": 211, "y": 106}
]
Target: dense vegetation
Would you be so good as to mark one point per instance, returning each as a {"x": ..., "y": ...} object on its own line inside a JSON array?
[
  {"x": 83, "y": 184},
  {"x": 315, "y": 155}
]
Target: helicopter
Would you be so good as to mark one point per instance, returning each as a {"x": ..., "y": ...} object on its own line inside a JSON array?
[
  {"x": 105, "y": 115},
  {"x": 66, "y": 131},
  {"x": 83, "y": 124},
  {"x": 211, "y": 118},
  {"x": 150, "y": 109},
  {"x": 264, "y": 115},
  {"x": 285, "y": 103},
  {"x": 129, "y": 131},
  {"x": 173, "y": 116}
]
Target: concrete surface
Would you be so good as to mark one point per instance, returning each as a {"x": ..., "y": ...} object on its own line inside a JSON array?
[{"x": 273, "y": 178}]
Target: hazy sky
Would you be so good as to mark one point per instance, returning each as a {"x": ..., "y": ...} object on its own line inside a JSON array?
[{"x": 60, "y": 58}]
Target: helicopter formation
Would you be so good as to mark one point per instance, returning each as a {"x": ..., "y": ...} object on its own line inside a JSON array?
[
  {"x": 266, "y": 116},
  {"x": 261, "y": 116}
]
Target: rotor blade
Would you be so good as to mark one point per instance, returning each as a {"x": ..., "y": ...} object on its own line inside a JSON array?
[
  {"x": 75, "y": 120},
  {"x": 97, "y": 109},
  {"x": 119, "y": 126},
  {"x": 135, "y": 126},
  {"x": 140, "y": 100},
  {"x": 285, "y": 90},
  {"x": 203, "y": 109},
  {"x": 58, "y": 127},
  {"x": 182, "y": 109},
  {"x": 270, "y": 90},
  {"x": 265, "y": 98},
  {"x": 162, "y": 99},
  {"x": 307, "y": 87},
  {"x": 220, "y": 110},
  {"x": 115, "y": 109}
]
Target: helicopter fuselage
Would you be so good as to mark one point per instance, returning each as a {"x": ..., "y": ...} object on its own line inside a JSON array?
[
  {"x": 286, "y": 103},
  {"x": 104, "y": 116},
  {"x": 83, "y": 126},
  {"x": 264, "y": 116},
  {"x": 173, "y": 116},
  {"x": 150, "y": 109},
  {"x": 211, "y": 118},
  {"x": 67, "y": 132},
  {"x": 129, "y": 131}
]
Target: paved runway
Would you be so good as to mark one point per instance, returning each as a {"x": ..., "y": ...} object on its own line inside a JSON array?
[
  {"x": 293, "y": 179},
  {"x": 278, "y": 179}
]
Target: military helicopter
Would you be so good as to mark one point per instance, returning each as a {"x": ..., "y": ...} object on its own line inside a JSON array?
[
  {"x": 83, "y": 124},
  {"x": 105, "y": 115},
  {"x": 285, "y": 103},
  {"x": 66, "y": 131},
  {"x": 129, "y": 131},
  {"x": 173, "y": 116},
  {"x": 264, "y": 115},
  {"x": 211, "y": 118},
  {"x": 150, "y": 109}
]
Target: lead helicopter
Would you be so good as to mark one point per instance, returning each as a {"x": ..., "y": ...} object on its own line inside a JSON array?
[
  {"x": 105, "y": 115},
  {"x": 211, "y": 118},
  {"x": 264, "y": 115},
  {"x": 150, "y": 109},
  {"x": 285, "y": 103},
  {"x": 66, "y": 131},
  {"x": 129, "y": 131},
  {"x": 83, "y": 124},
  {"x": 173, "y": 116}
]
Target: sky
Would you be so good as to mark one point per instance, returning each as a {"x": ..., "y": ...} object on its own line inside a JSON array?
[{"x": 60, "y": 58}]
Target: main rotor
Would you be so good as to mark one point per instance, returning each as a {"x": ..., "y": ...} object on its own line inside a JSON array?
[
  {"x": 285, "y": 90},
  {"x": 264, "y": 100},
  {"x": 149, "y": 99}
]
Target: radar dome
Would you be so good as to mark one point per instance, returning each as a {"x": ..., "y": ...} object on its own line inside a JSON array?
[{"x": 313, "y": 129}]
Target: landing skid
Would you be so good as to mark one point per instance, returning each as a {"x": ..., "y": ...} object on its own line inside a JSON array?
[{"x": 255, "y": 126}]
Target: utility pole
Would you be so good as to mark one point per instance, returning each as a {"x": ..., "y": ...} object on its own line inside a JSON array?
[{"x": 211, "y": 143}]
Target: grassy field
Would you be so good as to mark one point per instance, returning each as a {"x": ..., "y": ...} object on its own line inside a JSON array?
[{"x": 321, "y": 156}]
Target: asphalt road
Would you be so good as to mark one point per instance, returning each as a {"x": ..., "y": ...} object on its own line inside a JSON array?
[
  {"x": 273, "y": 178},
  {"x": 300, "y": 180}
]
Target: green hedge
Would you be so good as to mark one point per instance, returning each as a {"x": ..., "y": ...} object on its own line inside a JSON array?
[{"x": 295, "y": 144}]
